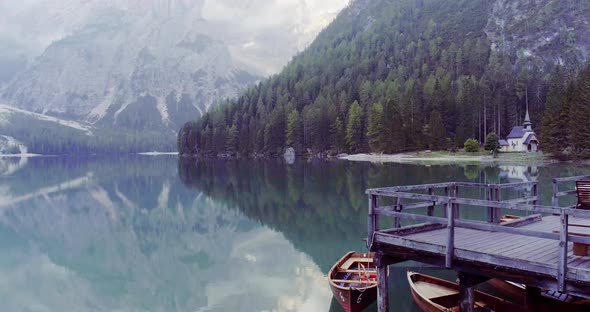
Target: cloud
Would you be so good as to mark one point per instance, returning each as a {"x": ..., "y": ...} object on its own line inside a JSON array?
[{"x": 262, "y": 34}]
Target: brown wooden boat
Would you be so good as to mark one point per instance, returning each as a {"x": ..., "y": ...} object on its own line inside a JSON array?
[
  {"x": 507, "y": 218},
  {"x": 353, "y": 281},
  {"x": 549, "y": 300},
  {"x": 434, "y": 295}
]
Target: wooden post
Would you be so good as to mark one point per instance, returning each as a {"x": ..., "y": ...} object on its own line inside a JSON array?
[
  {"x": 455, "y": 205},
  {"x": 431, "y": 208},
  {"x": 466, "y": 297},
  {"x": 562, "y": 261},
  {"x": 536, "y": 193},
  {"x": 373, "y": 220},
  {"x": 555, "y": 201},
  {"x": 451, "y": 237},
  {"x": 497, "y": 211},
  {"x": 382, "y": 289},
  {"x": 398, "y": 207},
  {"x": 382, "y": 262},
  {"x": 446, "y": 195},
  {"x": 490, "y": 209}
]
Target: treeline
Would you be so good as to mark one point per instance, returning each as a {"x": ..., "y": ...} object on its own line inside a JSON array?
[
  {"x": 45, "y": 138},
  {"x": 565, "y": 132},
  {"x": 385, "y": 76}
]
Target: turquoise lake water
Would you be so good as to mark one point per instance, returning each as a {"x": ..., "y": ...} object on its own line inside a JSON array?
[{"x": 144, "y": 233}]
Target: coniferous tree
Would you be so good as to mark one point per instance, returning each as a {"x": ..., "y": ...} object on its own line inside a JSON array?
[
  {"x": 294, "y": 131},
  {"x": 579, "y": 115},
  {"x": 375, "y": 128},
  {"x": 354, "y": 131},
  {"x": 437, "y": 131},
  {"x": 553, "y": 135},
  {"x": 393, "y": 131}
]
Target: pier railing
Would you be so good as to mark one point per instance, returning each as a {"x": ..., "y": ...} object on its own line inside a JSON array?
[
  {"x": 409, "y": 198},
  {"x": 570, "y": 192}
]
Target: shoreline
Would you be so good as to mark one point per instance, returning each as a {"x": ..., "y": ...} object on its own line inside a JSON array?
[{"x": 446, "y": 158}]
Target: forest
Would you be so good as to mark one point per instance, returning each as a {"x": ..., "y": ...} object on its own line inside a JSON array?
[{"x": 396, "y": 76}]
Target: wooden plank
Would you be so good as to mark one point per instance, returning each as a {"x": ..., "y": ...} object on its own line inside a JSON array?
[
  {"x": 514, "y": 184},
  {"x": 504, "y": 262},
  {"x": 533, "y": 246},
  {"x": 372, "y": 220},
  {"x": 382, "y": 289},
  {"x": 492, "y": 241},
  {"x": 403, "y": 188},
  {"x": 565, "y": 193},
  {"x": 555, "y": 198},
  {"x": 337, "y": 281},
  {"x": 367, "y": 270},
  {"x": 570, "y": 179},
  {"x": 409, "y": 216},
  {"x": 562, "y": 266},
  {"x": 523, "y": 220},
  {"x": 430, "y": 211},
  {"x": 514, "y": 248},
  {"x": 504, "y": 229},
  {"x": 417, "y": 205},
  {"x": 451, "y": 235},
  {"x": 402, "y": 242},
  {"x": 414, "y": 229},
  {"x": 522, "y": 200}
]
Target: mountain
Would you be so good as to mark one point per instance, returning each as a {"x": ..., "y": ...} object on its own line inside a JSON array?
[
  {"x": 139, "y": 67},
  {"x": 390, "y": 76}
]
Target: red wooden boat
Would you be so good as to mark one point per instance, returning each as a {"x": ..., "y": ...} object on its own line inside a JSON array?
[{"x": 353, "y": 281}]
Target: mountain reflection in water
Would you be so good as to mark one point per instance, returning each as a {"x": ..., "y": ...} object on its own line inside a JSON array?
[{"x": 179, "y": 234}]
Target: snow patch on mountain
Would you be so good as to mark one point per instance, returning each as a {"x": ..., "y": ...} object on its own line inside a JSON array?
[{"x": 6, "y": 111}]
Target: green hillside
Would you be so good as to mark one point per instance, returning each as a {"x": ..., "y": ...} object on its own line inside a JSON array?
[{"x": 399, "y": 75}]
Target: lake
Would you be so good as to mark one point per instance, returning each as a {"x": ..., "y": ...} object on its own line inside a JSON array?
[{"x": 143, "y": 233}]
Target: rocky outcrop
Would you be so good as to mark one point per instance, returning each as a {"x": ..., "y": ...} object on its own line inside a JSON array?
[
  {"x": 145, "y": 65},
  {"x": 541, "y": 32}
]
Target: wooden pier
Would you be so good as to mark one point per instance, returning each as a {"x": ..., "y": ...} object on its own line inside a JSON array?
[{"x": 430, "y": 224}]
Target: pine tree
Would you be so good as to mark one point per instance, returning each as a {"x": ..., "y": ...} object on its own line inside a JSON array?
[
  {"x": 437, "y": 131},
  {"x": 294, "y": 131},
  {"x": 553, "y": 137},
  {"x": 579, "y": 115},
  {"x": 393, "y": 131},
  {"x": 338, "y": 132},
  {"x": 375, "y": 128},
  {"x": 354, "y": 131}
]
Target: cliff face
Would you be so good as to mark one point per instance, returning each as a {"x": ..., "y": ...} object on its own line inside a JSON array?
[
  {"x": 143, "y": 65},
  {"x": 122, "y": 64},
  {"x": 541, "y": 31}
]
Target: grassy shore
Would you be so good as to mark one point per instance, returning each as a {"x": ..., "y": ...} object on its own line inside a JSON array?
[{"x": 448, "y": 157}]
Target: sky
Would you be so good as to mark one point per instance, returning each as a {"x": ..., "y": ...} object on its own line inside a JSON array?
[{"x": 251, "y": 28}]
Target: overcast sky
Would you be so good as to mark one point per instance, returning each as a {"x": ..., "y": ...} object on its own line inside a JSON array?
[{"x": 251, "y": 28}]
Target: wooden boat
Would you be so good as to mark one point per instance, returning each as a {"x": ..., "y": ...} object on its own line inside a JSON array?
[
  {"x": 353, "y": 281},
  {"x": 435, "y": 295},
  {"x": 507, "y": 218},
  {"x": 549, "y": 300}
]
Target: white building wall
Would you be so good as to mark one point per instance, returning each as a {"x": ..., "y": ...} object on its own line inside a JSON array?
[{"x": 516, "y": 145}]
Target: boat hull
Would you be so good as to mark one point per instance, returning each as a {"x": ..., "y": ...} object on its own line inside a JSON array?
[
  {"x": 446, "y": 295},
  {"x": 354, "y": 300},
  {"x": 547, "y": 300},
  {"x": 351, "y": 296}
]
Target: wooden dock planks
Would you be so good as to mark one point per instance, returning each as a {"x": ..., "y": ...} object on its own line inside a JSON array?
[{"x": 536, "y": 251}]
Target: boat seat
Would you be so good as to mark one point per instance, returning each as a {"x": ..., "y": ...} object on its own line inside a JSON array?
[
  {"x": 446, "y": 300},
  {"x": 349, "y": 262},
  {"x": 452, "y": 301}
]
